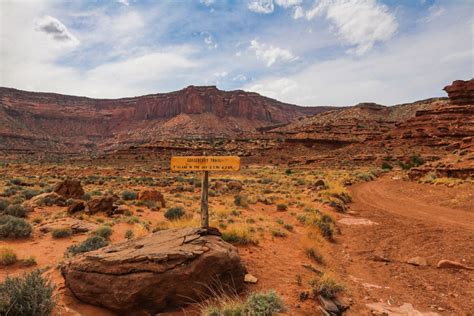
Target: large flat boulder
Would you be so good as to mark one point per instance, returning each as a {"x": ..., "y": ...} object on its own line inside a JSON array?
[
  {"x": 69, "y": 188},
  {"x": 158, "y": 272}
]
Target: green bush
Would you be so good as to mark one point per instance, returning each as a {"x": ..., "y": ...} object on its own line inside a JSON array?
[
  {"x": 61, "y": 232},
  {"x": 16, "y": 181},
  {"x": 129, "y": 234},
  {"x": 386, "y": 166},
  {"x": 90, "y": 244},
  {"x": 7, "y": 256},
  {"x": 3, "y": 205},
  {"x": 241, "y": 200},
  {"x": 29, "y": 294},
  {"x": 129, "y": 195},
  {"x": 14, "y": 227},
  {"x": 265, "y": 304},
  {"x": 282, "y": 207},
  {"x": 174, "y": 213},
  {"x": 28, "y": 194},
  {"x": 314, "y": 255},
  {"x": 328, "y": 286},
  {"x": 16, "y": 210},
  {"x": 104, "y": 232}
]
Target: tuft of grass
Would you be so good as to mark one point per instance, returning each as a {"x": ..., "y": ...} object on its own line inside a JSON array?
[
  {"x": 3, "y": 205},
  {"x": 314, "y": 255},
  {"x": 264, "y": 303},
  {"x": 61, "y": 232},
  {"x": 29, "y": 294},
  {"x": 174, "y": 213},
  {"x": 103, "y": 231},
  {"x": 7, "y": 256},
  {"x": 14, "y": 227},
  {"x": 239, "y": 234},
  {"x": 129, "y": 234},
  {"x": 28, "y": 194},
  {"x": 282, "y": 207},
  {"x": 28, "y": 262},
  {"x": 241, "y": 200},
  {"x": 278, "y": 233},
  {"x": 90, "y": 244},
  {"x": 328, "y": 286}
]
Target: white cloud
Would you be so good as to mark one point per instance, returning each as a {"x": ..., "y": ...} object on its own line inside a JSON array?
[
  {"x": 124, "y": 2},
  {"x": 207, "y": 2},
  {"x": 401, "y": 72},
  {"x": 298, "y": 13},
  {"x": 55, "y": 30},
  {"x": 240, "y": 78},
  {"x": 209, "y": 40},
  {"x": 261, "y": 6},
  {"x": 287, "y": 3},
  {"x": 271, "y": 54},
  {"x": 361, "y": 23}
]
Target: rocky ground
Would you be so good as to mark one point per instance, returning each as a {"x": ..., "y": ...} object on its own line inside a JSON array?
[{"x": 275, "y": 217}]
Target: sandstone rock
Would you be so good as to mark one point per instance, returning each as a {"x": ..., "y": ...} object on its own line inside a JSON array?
[
  {"x": 319, "y": 185},
  {"x": 101, "y": 204},
  {"x": 417, "y": 261},
  {"x": 75, "y": 207},
  {"x": 219, "y": 186},
  {"x": 448, "y": 264},
  {"x": 152, "y": 195},
  {"x": 48, "y": 199},
  {"x": 250, "y": 279},
  {"x": 69, "y": 188},
  {"x": 328, "y": 305},
  {"x": 164, "y": 270},
  {"x": 234, "y": 185},
  {"x": 77, "y": 226},
  {"x": 404, "y": 309},
  {"x": 461, "y": 92}
]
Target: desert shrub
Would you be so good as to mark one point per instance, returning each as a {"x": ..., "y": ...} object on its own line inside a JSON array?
[
  {"x": 416, "y": 160},
  {"x": 61, "y": 232},
  {"x": 86, "y": 197},
  {"x": 264, "y": 303},
  {"x": 328, "y": 286},
  {"x": 16, "y": 210},
  {"x": 129, "y": 195},
  {"x": 314, "y": 255},
  {"x": 288, "y": 171},
  {"x": 14, "y": 227},
  {"x": 288, "y": 227},
  {"x": 90, "y": 244},
  {"x": 129, "y": 234},
  {"x": 239, "y": 235},
  {"x": 365, "y": 176},
  {"x": 282, "y": 207},
  {"x": 174, "y": 213},
  {"x": 3, "y": 205},
  {"x": 28, "y": 262},
  {"x": 7, "y": 256},
  {"x": 278, "y": 233},
  {"x": 103, "y": 231},
  {"x": 28, "y": 194},
  {"x": 16, "y": 181},
  {"x": 386, "y": 166},
  {"x": 29, "y": 294},
  {"x": 241, "y": 200}
]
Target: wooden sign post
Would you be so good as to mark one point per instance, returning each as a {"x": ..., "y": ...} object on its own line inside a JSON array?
[{"x": 206, "y": 164}]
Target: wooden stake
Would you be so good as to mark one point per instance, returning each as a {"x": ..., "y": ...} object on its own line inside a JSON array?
[{"x": 204, "y": 201}]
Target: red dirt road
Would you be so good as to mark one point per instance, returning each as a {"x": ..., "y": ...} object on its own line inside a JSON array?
[{"x": 434, "y": 222}]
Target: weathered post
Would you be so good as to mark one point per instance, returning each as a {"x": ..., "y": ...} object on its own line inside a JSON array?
[
  {"x": 205, "y": 201},
  {"x": 205, "y": 163}
]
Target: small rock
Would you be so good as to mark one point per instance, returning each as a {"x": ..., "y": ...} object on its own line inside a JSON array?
[
  {"x": 101, "y": 204},
  {"x": 75, "y": 207},
  {"x": 448, "y": 264},
  {"x": 328, "y": 305},
  {"x": 417, "y": 261},
  {"x": 152, "y": 195},
  {"x": 69, "y": 188},
  {"x": 250, "y": 279},
  {"x": 234, "y": 185}
]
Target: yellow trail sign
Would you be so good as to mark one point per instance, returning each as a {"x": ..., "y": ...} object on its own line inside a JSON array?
[{"x": 205, "y": 163}]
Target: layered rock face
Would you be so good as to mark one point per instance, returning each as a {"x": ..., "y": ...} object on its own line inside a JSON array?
[
  {"x": 47, "y": 121},
  {"x": 163, "y": 270},
  {"x": 461, "y": 92}
]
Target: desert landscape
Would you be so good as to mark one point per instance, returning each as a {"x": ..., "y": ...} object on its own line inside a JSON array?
[
  {"x": 355, "y": 210},
  {"x": 236, "y": 158}
]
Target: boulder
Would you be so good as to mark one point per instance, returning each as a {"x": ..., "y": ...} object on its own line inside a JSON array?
[
  {"x": 101, "y": 204},
  {"x": 417, "y": 261},
  {"x": 448, "y": 264},
  {"x": 69, "y": 188},
  {"x": 163, "y": 270},
  {"x": 76, "y": 206},
  {"x": 45, "y": 199},
  {"x": 77, "y": 226},
  {"x": 234, "y": 185},
  {"x": 219, "y": 186},
  {"x": 152, "y": 195}
]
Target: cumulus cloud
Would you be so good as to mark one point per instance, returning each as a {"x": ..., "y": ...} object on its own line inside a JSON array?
[
  {"x": 261, "y": 6},
  {"x": 360, "y": 23},
  {"x": 55, "y": 29},
  {"x": 288, "y": 3},
  {"x": 124, "y": 2},
  {"x": 298, "y": 12},
  {"x": 271, "y": 54}
]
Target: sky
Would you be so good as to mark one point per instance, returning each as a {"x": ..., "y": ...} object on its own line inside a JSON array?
[{"x": 305, "y": 52}]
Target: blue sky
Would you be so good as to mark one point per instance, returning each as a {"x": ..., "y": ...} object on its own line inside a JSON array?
[{"x": 307, "y": 52}]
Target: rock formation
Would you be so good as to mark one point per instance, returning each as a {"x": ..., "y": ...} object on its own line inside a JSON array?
[
  {"x": 461, "y": 92},
  {"x": 163, "y": 270}
]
